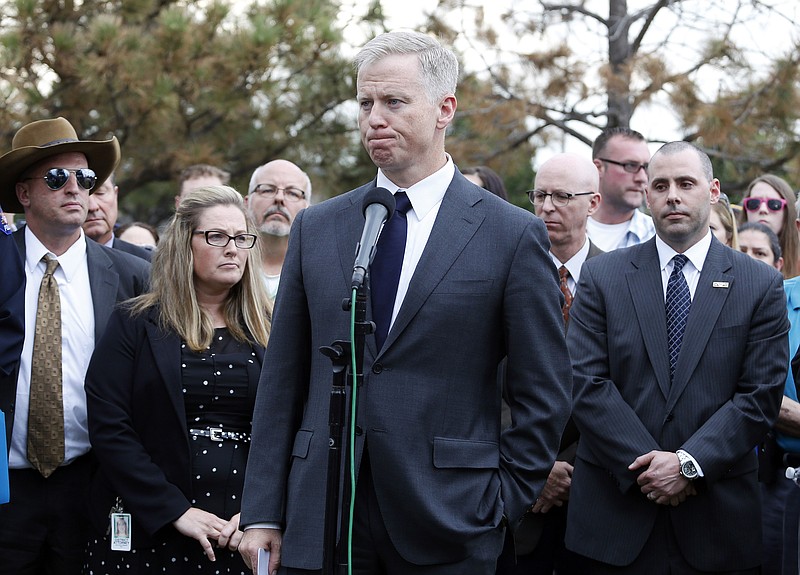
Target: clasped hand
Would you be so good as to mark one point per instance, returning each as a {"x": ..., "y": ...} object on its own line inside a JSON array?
[
  {"x": 204, "y": 526},
  {"x": 661, "y": 480},
  {"x": 556, "y": 489}
]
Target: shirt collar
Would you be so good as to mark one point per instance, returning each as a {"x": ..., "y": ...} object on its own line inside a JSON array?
[
  {"x": 696, "y": 254},
  {"x": 427, "y": 193},
  {"x": 574, "y": 263},
  {"x": 69, "y": 261}
]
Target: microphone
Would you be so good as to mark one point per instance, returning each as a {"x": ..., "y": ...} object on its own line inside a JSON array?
[{"x": 378, "y": 206}]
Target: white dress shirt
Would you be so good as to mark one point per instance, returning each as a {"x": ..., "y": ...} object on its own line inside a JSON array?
[
  {"x": 426, "y": 199},
  {"x": 77, "y": 341},
  {"x": 573, "y": 265},
  {"x": 691, "y": 271}
]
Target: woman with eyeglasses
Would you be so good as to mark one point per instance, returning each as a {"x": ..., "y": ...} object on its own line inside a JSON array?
[
  {"x": 770, "y": 200},
  {"x": 170, "y": 391}
]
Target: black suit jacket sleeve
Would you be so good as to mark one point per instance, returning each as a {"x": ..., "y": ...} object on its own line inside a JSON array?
[{"x": 12, "y": 305}]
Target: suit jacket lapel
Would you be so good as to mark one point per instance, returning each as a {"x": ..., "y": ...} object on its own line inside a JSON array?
[
  {"x": 103, "y": 281},
  {"x": 647, "y": 292},
  {"x": 706, "y": 307},
  {"x": 349, "y": 225},
  {"x": 456, "y": 223},
  {"x": 166, "y": 349}
]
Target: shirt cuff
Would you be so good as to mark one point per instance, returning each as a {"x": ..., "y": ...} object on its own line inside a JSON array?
[
  {"x": 696, "y": 464},
  {"x": 263, "y": 525}
]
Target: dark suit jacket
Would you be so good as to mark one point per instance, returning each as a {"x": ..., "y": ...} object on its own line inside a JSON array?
[
  {"x": 132, "y": 249},
  {"x": 485, "y": 287},
  {"x": 114, "y": 276},
  {"x": 529, "y": 531},
  {"x": 725, "y": 396},
  {"x": 12, "y": 306},
  {"x": 137, "y": 425}
]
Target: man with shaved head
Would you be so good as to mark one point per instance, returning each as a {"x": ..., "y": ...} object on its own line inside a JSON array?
[{"x": 564, "y": 195}]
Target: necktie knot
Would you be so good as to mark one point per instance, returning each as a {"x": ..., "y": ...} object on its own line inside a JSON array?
[
  {"x": 52, "y": 264},
  {"x": 678, "y": 262},
  {"x": 563, "y": 273},
  {"x": 402, "y": 203}
]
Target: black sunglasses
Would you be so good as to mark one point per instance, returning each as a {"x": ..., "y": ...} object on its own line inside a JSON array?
[
  {"x": 57, "y": 178},
  {"x": 752, "y": 204}
]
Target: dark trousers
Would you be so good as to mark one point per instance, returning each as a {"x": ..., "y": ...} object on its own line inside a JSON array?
[
  {"x": 550, "y": 556},
  {"x": 660, "y": 556},
  {"x": 373, "y": 551},
  {"x": 44, "y": 528},
  {"x": 780, "y": 512}
]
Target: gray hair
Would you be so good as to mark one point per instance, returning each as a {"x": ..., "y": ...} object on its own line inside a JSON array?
[{"x": 438, "y": 65}]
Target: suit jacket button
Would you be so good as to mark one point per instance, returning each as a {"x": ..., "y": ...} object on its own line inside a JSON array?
[
  {"x": 377, "y": 368},
  {"x": 670, "y": 417},
  {"x": 359, "y": 430}
]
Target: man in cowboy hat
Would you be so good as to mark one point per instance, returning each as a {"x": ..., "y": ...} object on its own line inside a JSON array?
[{"x": 49, "y": 174}]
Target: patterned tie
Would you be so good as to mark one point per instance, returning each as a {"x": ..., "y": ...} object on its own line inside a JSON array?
[
  {"x": 563, "y": 274},
  {"x": 386, "y": 267},
  {"x": 46, "y": 409},
  {"x": 677, "y": 306}
]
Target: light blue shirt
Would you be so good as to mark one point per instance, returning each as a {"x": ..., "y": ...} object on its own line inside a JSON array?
[{"x": 792, "y": 289}]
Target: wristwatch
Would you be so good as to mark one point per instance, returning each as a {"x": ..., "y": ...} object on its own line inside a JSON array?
[{"x": 688, "y": 468}]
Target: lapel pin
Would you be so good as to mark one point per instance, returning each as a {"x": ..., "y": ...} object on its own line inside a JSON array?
[{"x": 725, "y": 285}]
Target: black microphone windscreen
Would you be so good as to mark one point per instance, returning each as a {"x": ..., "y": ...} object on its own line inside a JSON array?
[{"x": 380, "y": 196}]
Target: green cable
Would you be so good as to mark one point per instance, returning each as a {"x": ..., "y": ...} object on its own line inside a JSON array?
[{"x": 352, "y": 433}]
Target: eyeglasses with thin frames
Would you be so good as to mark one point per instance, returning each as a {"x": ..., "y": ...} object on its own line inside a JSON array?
[
  {"x": 290, "y": 193},
  {"x": 559, "y": 199},
  {"x": 221, "y": 239},
  {"x": 630, "y": 167},
  {"x": 57, "y": 178}
]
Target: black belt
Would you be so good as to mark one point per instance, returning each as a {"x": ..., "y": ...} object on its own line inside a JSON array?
[{"x": 218, "y": 434}]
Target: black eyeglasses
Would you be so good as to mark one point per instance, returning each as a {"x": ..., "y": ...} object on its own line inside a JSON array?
[
  {"x": 291, "y": 193},
  {"x": 221, "y": 239},
  {"x": 754, "y": 204},
  {"x": 57, "y": 178},
  {"x": 560, "y": 199},
  {"x": 630, "y": 167}
]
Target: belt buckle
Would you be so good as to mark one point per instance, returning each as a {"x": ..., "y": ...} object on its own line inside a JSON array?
[{"x": 215, "y": 433}]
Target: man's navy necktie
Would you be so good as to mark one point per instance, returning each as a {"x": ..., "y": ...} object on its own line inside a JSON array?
[
  {"x": 386, "y": 267},
  {"x": 678, "y": 303}
]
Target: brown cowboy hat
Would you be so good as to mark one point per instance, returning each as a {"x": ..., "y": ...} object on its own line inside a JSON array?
[{"x": 38, "y": 140}]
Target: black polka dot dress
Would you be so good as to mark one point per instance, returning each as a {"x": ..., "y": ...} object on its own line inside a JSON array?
[{"x": 219, "y": 388}]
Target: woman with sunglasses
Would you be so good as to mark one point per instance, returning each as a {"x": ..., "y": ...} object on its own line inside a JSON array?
[
  {"x": 770, "y": 200},
  {"x": 170, "y": 392}
]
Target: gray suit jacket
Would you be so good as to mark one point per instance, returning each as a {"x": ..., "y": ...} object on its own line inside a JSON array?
[
  {"x": 725, "y": 396},
  {"x": 485, "y": 287},
  {"x": 114, "y": 276}
]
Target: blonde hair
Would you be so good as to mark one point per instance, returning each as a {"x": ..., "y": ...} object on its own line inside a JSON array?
[
  {"x": 247, "y": 310},
  {"x": 728, "y": 222}
]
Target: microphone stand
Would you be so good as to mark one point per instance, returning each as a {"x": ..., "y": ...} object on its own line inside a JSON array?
[{"x": 335, "y": 557}]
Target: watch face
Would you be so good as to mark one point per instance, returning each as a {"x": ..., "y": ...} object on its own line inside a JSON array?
[{"x": 688, "y": 470}]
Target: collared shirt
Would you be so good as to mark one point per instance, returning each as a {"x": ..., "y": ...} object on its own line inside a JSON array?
[
  {"x": 426, "y": 199},
  {"x": 609, "y": 237},
  {"x": 691, "y": 271},
  {"x": 77, "y": 345},
  {"x": 573, "y": 265}
]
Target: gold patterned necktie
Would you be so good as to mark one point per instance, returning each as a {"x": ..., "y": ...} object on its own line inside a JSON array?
[
  {"x": 46, "y": 407},
  {"x": 563, "y": 274}
]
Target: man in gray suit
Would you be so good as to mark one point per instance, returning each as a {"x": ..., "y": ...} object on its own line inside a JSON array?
[
  {"x": 49, "y": 174},
  {"x": 437, "y": 481},
  {"x": 679, "y": 349}
]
